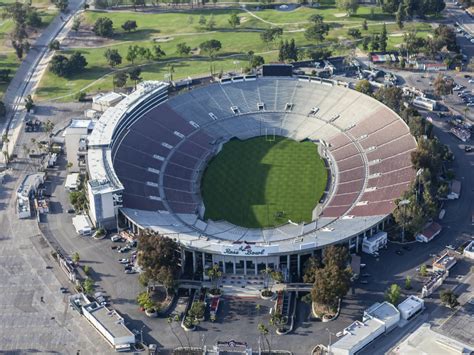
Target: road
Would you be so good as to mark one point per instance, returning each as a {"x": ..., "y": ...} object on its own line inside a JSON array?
[{"x": 29, "y": 74}]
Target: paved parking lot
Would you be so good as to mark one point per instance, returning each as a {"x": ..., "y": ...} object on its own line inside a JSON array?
[{"x": 34, "y": 315}]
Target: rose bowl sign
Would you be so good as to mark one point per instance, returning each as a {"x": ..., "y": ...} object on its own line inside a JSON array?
[{"x": 248, "y": 250}]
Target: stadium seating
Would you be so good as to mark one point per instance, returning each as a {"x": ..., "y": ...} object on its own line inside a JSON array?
[{"x": 160, "y": 158}]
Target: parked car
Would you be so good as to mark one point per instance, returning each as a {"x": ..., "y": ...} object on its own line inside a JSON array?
[
  {"x": 467, "y": 148},
  {"x": 63, "y": 290},
  {"x": 365, "y": 282},
  {"x": 125, "y": 249},
  {"x": 116, "y": 238},
  {"x": 129, "y": 271},
  {"x": 71, "y": 211},
  {"x": 123, "y": 261}
]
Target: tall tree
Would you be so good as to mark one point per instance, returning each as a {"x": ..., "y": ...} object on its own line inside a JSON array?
[
  {"x": 134, "y": 75},
  {"x": 383, "y": 38},
  {"x": 129, "y": 25},
  {"x": 211, "y": 48},
  {"x": 234, "y": 20},
  {"x": 113, "y": 57},
  {"x": 399, "y": 16},
  {"x": 317, "y": 30},
  {"x": 350, "y": 6},
  {"x": 103, "y": 27},
  {"x": 393, "y": 294},
  {"x": 120, "y": 79}
]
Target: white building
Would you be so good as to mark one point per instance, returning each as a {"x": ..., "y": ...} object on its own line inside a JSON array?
[
  {"x": 110, "y": 324},
  {"x": 378, "y": 319},
  {"x": 75, "y": 137},
  {"x": 425, "y": 103},
  {"x": 27, "y": 188},
  {"x": 375, "y": 242},
  {"x": 82, "y": 225},
  {"x": 429, "y": 232},
  {"x": 102, "y": 102},
  {"x": 433, "y": 283},
  {"x": 72, "y": 182},
  {"x": 444, "y": 263},
  {"x": 424, "y": 341},
  {"x": 469, "y": 250},
  {"x": 411, "y": 306}
]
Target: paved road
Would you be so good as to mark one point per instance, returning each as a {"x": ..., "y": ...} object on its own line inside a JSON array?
[{"x": 29, "y": 74}]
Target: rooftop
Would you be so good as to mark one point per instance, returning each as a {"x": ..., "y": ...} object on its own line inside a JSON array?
[
  {"x": 384, "y": 312},
  {"x": 424, "y": 341},
  {"x": 109, "y": 319},
  {"x": 410, "y": 303},
  {"x": 357, "y": 332},
  {"x": 77, "y": 123},
  {"x": 432, "y": 230}
]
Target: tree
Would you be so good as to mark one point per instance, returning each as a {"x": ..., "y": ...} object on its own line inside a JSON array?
[
  {"x": 390, "y": 96},
  {"x": 145, "y": 301},
  {"x": 5, "y": 75},
  {"x": 234, "y": 20},
  {"x": 331, "y": 283},
  {"x": 310, "y": 268},
  {"x": 88, "y": 286},
  {"x": 120, "y": 79},
  {"x": 29, "y": 104},
  {"x": 87, "y": 269},
  {"x": 132, "y": 53},
  {"x": 319, "y": 54},
  {"x": 399, "y": 16},
  {"x": 365, "y": 26},
  {"x": 364, "y": 87},
  {"x": 423, "y": 270},
  {"x": 390, "y": 6},
  {"x": 158, "y": 52},
  {"x": 159, "y": 257},
  {"x": 354, "y": 33},
  {"x": 75, "y": 257},
  {"x": 375, "y": 42},
  {"x": 443, "y": 86},
  {"x": 449, "y": 298},
  {"x": 350, "y": 6},
  {"x": 59, "y": 65},
  {"x": 76, "y": 23},
  {"x": 336, "y": 255},
  {"x": 317, "y": 30},
  {"x": 256, "y": 61},
  {"x": 33, "y": 18},
  {"x": 3, "y": 111},
  {"x": 211, "y": 24},
  {"x": 53, "y": 45},
  {"x": 129, "y": 25},
  {"x": 183, "y": 49},
  {"x": 383, "y": 38},
  {"x": 103, "y": 27},
  {"x": 215, "y": 274},
  {"x": 263, "y": 330},
  {"x": 61, "y": 5},
  {"x": 113, "y": 57},
  {"x": 271, "y": 34},
  {"x": 210, "y": 48},
  {"x": 407, "y": 283},
  {"x": 392, "y": 294},
  {"x": 202, "y": 21}
]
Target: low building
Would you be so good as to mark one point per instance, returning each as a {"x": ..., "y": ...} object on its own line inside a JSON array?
[
  {"x": 110, "y": 325},
  {"x": 455, "y": 192},
  {"x": 435, "y": 281},
  {"x": 411, "y": 307},
  {"x": 423, "y": 340},
  {"x": 72, "y": 182},
  {"x": 431, "y": 66},
  {"x": 384, "y": 57},
  {"x": 103, "y": 101},
  {"x": 375, "y": 242},
  {"x": 378, "y": 319},
  {"x": 444, "y": 263},
  {"x": 75, "y": 138},
  {"x": 82, "y": 225},
  {"x": 469, "y": 250},
  {"x": 429, "y": 232}
]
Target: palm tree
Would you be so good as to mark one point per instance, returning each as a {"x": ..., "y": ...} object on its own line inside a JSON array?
[
  {"x": 170, "y": 321},
  {"x": 262, "y": 328},
  {"x": 214, "y": 273}
]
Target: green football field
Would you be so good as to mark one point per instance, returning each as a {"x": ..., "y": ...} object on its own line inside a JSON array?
[{"x": 260, "y": 183}]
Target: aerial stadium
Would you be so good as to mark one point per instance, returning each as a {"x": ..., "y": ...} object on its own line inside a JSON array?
[{"x": 249, "y": 172}]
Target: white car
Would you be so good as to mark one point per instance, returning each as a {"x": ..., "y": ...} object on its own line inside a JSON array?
[
  {"x": 470, "y": 104},
  {"x": 472, "y": 40},
  {"x": 123, "y": 261},
  {"x": 115, "y": 238},
  {"x": 471, "y": 81}
]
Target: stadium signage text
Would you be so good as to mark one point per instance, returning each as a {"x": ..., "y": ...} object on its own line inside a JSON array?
[{"x": 244, "y": 250}]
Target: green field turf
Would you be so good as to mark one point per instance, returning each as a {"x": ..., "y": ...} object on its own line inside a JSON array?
[{"x": 260, "y": 183}]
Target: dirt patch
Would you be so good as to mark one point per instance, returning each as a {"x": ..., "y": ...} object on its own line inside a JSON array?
[
  {"x": 397, "y": 34},
  {"x": 85, "y": 38},
  {"x": 243, "y": 19},
  {"x": 340, "y": 14}
]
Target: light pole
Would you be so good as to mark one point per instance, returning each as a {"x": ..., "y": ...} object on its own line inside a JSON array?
[
  {"x": 403, "y": 203},
  {"x": 329, "y": 345}
]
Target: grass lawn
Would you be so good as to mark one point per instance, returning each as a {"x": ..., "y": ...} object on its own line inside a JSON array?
[
  {"x": 8, "y": 59},
  {"x": 235, "y": 42},
  {"x": 259, "y": 183}
]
